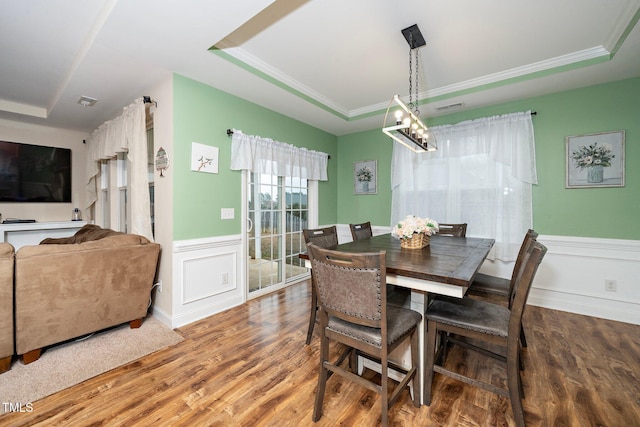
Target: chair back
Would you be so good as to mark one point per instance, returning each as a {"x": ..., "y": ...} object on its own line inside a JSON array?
[
  {"x": 455, "y": 230},
  {"x": 324, "y": 237},
  {"x": 350, "y": 286},
  {"x": 522, "y": 286},
  {"x": 527, "y": 245},
  {"x": 361, "y": 231}
]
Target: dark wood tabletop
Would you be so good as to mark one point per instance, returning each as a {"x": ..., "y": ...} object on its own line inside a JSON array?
[{"x": 449, "y": 260}]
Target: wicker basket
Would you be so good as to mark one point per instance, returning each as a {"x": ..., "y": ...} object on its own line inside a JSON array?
[{"x": 417, "y": 241}]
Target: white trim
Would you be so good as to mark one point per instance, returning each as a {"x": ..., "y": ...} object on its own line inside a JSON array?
[
  {"x": 198, "y": 266},
  {"x": 549, "y": 64},
  {"x": 251, "y": 60},
  {"x": 312, "y": 219},
  {"x": 572, "y": 274},
  {"x": 571, "y": 277}
]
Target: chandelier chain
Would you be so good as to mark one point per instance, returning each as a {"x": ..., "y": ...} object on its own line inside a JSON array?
[
  {"x": 417, "y": 111},
  {"x": 410, "y": 74}
]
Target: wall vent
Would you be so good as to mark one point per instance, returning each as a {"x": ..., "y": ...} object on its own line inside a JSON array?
[{"x": 450, "y": 106}]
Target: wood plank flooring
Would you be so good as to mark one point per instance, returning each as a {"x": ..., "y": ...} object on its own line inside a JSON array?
[{"x": 249, "y": 366}]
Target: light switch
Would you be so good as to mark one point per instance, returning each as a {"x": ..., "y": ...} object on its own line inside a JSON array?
[{"x": 227, "y": 213}]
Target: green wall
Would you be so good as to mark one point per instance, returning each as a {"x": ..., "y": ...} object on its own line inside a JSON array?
[
  {"x": 202, "y": 114},
  {"x": 584, "y": 212},
  {"x": 355, "y": 208}
]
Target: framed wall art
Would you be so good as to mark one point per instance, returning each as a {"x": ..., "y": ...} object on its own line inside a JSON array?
[
  {"x": 365, "y": 177},
  {"x": 595, "y": 160},
  {"x": 204, "y": 158}
]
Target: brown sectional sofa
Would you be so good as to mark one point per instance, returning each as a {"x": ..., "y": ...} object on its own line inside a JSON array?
[
  {"x": 6, "y": 305},
  {"x": 69, "y": 287}
]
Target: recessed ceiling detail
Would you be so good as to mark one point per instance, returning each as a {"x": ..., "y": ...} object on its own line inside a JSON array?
[{"x": 309, "y": 60}]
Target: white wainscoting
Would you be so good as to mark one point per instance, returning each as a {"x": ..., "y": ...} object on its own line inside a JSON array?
[
  {"x": 571, "y": 278},
  {"x": 572, "y": 275},
  {"x": 200, "y": 269}
]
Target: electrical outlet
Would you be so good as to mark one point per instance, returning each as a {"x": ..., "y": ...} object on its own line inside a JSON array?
[
  {"x": 610, "y": 285},
  {"x": 225, "y": 278},
  {"x": 159, "y": 286}
]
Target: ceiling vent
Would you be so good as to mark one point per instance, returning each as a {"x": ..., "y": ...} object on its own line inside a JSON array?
[
  {"x": 86, "y": 101},
  {"x": 450, "y": 106}
]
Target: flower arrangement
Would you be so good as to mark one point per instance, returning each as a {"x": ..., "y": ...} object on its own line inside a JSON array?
[
  {"x": 412, "y": 224},
  {"x": 593, "y": 155},
  {"x": 364, "y": 174}
]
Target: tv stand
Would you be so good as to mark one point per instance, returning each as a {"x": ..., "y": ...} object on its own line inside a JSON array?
[
  {"x": 18, "y": 221},
  {"x": 32, "y": 233}
]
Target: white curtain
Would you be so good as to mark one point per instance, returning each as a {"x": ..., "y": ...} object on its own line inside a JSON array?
[
  {"x": 263, "y": 155},
  {"x": 124, "y": 134},
  {"x": 481, "y": 174}
]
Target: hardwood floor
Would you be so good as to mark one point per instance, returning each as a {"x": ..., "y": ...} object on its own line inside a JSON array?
[{"x": 249, "y": 366}]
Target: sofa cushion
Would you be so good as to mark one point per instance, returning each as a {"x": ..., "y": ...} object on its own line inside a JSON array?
[
  {"x": 87, "y": 233},
  {"x": 113, "y": 241}
]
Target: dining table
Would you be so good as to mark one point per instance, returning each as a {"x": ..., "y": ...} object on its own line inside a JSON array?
[{"x": 446, "y": 266}]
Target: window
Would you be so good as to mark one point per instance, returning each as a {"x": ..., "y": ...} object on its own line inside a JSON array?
[
  {"x": 113, "y": 207},
  {"x": 481, "y": 174}
]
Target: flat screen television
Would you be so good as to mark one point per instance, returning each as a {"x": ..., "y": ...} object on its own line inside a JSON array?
[{"x": 34, "y": 173}]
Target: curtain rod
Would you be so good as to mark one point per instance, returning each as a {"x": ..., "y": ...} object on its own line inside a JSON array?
[
  {"x": 148, "y": 100},
  {"x": 230, "y": 132}
]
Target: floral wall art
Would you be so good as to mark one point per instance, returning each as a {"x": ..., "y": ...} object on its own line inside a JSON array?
[
  {"x": 365, "y": 177},
  {"x": 595, "y": 160}
]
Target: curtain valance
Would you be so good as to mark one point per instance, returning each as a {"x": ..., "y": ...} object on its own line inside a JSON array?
[
  {"x": 507, "y": 139},
  {"x": 264, "y": 155}
]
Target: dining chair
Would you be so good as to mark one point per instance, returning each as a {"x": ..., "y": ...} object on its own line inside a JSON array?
[
  {"x": 455, "y": 230},
  {"x": 396, "y": 295},
  {"x": 485, "y": 284},
  {"x": 361, "y": 231},
  {"x": 353, "y": 311},
  {"x": 326, "y": 238},
  {"x": 461, "y": 321}
]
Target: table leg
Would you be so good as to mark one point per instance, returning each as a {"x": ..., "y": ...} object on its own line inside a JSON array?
[{"x": 419, "y": 303}]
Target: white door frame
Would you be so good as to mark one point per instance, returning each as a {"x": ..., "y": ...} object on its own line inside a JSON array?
[{"x": 312, "y": 200}]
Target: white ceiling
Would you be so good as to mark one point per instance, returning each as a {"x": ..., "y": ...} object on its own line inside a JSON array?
[{"x": 333, "y": 64}]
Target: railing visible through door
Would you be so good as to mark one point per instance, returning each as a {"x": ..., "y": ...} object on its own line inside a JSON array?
[{"x": 278, "y": 211}]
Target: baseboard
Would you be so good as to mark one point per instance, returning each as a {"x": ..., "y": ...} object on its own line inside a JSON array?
[
  {"x": 588, "y": 306},
  {"x": 162, "y": 316}
]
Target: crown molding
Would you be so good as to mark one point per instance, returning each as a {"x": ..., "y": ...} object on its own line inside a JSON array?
[{"x": 558, "y": 64}]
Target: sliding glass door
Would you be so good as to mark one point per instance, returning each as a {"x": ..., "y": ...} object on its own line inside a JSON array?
[{"x": 277, "y": 212}]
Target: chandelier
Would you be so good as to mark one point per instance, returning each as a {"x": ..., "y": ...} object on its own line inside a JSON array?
[{"x": 402, "y": 122}]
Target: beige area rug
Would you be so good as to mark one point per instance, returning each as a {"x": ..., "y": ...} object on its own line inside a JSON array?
[{"x": 70, "y": 363}]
